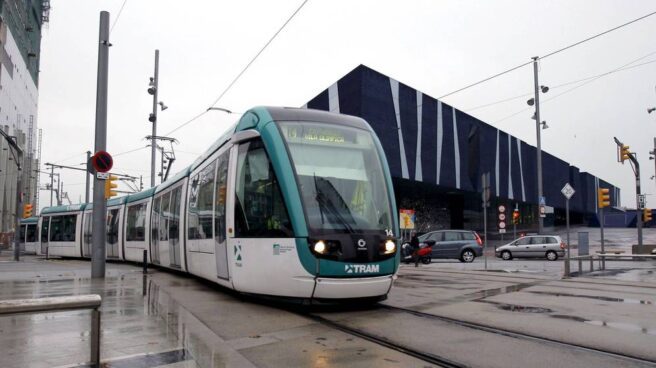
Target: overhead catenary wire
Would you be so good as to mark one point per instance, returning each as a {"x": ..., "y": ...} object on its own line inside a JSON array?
[
  {"x": 232, "y": 83},
  {"x": 547, "y": 55},
  {"x": 117, "y": 16},
  {"x": 568, "y": 83}
]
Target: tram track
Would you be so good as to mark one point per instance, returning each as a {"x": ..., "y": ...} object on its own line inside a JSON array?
[
  {"x": 444, "y": 361},
  {"x": 518, "y": 335}
]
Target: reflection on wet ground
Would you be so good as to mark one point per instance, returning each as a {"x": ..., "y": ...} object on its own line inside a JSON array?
[
  {"x": 141, "y": 326},
  {"x": 516, "y": 308},
  {"x": 596, "y": 297},
  {"x": 622, "y": 326}
]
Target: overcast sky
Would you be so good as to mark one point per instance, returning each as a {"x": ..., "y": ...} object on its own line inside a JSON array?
[{"x": 433, "y": 46}]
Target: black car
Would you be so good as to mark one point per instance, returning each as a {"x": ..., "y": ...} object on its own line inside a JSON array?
[{"x": 464, "y": 245}]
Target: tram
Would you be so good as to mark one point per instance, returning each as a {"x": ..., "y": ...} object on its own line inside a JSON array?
[{"x": 292, "y": 203}]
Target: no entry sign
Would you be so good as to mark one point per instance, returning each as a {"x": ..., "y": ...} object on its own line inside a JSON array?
[{"x": 102, "y": 161}]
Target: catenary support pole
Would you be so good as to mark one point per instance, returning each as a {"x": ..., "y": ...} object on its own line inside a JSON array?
[
  {"x": 153, "y": 140},
  {"x": 567, "y": 265},
  {"x": 539, "y": 143},
  {"x": 87, "y": 183},
  {"x": 52, "y": 182},
  {"x": 601, "y": 229},
  {"x": 99, "y": 205}
]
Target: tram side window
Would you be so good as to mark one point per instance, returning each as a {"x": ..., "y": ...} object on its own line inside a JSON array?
[
  {"x": 174, "y": 219},
  {"x": 112, "y": 226},
  {"x": 31, "y": 233},
  {"x": 136, "y": 226},
  {"x": 259, "y": 209},
  {"x": 22, "y": 233},
  {"x": 45, "y": 225},
  {"x": 220, "y": 197},
  {"x": 201, "y": 200},
  {"x": 62, "y": 228},
  {"x": 87, "y": 228}
]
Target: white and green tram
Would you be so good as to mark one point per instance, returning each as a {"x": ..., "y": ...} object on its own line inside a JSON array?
[{"x": 291, "y": 203}]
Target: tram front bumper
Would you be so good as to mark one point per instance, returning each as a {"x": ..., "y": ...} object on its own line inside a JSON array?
[{"x": 338, "y": 288}]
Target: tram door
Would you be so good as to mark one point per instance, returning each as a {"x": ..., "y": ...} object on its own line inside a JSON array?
[
  {"x": 174, "y": 227},
  {"x": 45, "y": 226},
  {"x": 86, "y": 235},
  {"x": 220, "y": 243},
  {"x": 112, "y": 233},
  {"x": 154, "y": 230}
]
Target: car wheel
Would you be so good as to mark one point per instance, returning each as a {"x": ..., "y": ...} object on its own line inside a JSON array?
[
  {"x": 467, "y": 256},
  {"x": 552, "y": 256},
  {"x": 506, "y": 256}
]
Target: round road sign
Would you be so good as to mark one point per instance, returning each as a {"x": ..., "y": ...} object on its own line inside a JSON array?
[
  {"x": 502, "y": 225},
  {"x": 502, "y": 208},
  {"x": 502, "y": 217},
  {"x": 102, "y": 161}
]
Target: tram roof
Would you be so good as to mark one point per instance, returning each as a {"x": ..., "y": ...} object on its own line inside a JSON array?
[
  {"x": 61, "y": 209},
  {"x": 29, "y": 220}
]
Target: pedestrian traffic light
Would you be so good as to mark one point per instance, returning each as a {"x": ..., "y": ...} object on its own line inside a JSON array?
[
  {"x": 27, "y": 210},
  {"x": 603, "y": 198},
  {"x": 646, "y": 215},
  {"x": 515, "y": 217},
  {"x": 109, "y": 185},
  {"x": 624, "y": 153}
]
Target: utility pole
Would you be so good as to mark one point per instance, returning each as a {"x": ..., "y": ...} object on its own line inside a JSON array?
[
  {"x": 99, "y": 204},
  {"x": 539, "y": 144},
  {"x": 485, "y": 181},
  {"x": 153, "y": 118},
  {"x": 625, "y": 154},
  {"x": 52, "y": 182},
  {"x": 86, "y": 196}
]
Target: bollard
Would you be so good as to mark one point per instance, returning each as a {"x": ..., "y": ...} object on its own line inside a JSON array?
[
  {"x": 591, "y": 264},
  {"x": 145, "y": 261},
  {"x": 580, "y": 267},
  {"x": 95, "y": 338},
  {"x": 47, "y": 247}
]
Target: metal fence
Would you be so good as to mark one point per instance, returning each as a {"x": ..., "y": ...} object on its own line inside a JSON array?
[{"x": 61, "y": 304}]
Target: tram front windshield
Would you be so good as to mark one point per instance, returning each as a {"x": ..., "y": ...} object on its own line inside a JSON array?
[{"x": 340, "y": 177}]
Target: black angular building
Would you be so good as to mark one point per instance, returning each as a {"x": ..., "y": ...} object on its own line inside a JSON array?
[{"x": 438, "y": 153}]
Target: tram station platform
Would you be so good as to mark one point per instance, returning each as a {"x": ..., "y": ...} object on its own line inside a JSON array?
[{"x": 166, "y": 319}]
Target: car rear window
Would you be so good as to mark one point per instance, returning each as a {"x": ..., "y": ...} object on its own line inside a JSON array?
[
  {"x": 552, "y": 240},
  {"x": 538, "y": 240},
  {"x": 468, "y": 236}
]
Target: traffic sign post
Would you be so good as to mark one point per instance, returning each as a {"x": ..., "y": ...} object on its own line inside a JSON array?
[
  {"x": 568, "y": 192},
  {"x": 485, "y": 181}
]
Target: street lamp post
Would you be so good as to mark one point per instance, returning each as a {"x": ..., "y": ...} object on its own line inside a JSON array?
[
  {"x": 153, "y": 117},
  {"x": 536, "y": 101}
]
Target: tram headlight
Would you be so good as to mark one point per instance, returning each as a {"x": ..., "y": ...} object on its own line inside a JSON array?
[
  {"x": 320, "y": 247},
  {"x": 390, "y": 247}
]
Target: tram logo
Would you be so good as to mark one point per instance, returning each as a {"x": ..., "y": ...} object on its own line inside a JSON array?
[
  {"x": 362, "y": 243},
  {"x": 371, "y": 268}
]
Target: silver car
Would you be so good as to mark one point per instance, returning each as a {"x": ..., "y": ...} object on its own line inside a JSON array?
[{"x": 535, "y": 246}]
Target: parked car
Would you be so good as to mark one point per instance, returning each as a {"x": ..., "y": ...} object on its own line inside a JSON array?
[
  {"x": 534, "y": 246},
  {"x": 464, "y": 245}
]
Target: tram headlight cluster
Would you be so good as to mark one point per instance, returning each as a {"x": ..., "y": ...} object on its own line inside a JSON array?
[
  {"x": 330, "y": 248},
  {"x": 389, "y": 247}
]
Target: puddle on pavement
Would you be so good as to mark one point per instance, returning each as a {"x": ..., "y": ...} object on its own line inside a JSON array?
[
  {"x": 622, "y": 326},
  {"x": 596, "y": 297},
  {"x": 516, "y": 307}
]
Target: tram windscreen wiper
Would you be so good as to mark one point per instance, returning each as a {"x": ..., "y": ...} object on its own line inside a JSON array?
[{"x": 326, "y": 199}]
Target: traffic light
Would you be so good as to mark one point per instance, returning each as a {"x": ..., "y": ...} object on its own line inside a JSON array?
[
  {"x": 624, "y": 153},
  {"x": 515, "y": 217},
  {"x": 109, "y": 185},
  {"x": 27, "y": 210},
  {"x": 603, "y": 198},
  {"x": 646, "y": 215}
]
